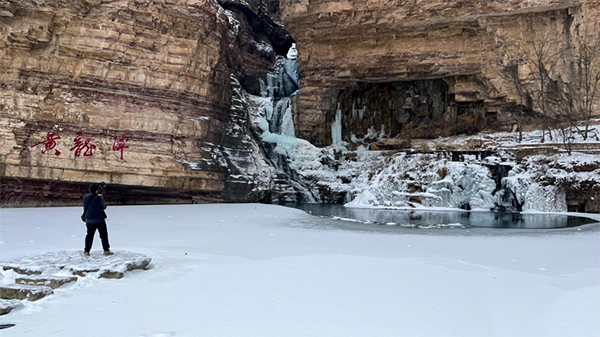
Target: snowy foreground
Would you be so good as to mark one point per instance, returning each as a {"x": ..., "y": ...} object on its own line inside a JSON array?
[{"x": 262, "y": 270}]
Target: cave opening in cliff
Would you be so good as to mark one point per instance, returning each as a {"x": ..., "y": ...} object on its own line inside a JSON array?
[{"x": 368, "y": 111}]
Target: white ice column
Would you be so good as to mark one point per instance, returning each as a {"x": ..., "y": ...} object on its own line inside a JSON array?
[
  {"x": 336, "y": 127},
  {"x": 287, "y": 122}
]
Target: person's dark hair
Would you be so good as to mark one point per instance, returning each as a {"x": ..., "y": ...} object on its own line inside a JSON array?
[{"x": 94, "y": 188}]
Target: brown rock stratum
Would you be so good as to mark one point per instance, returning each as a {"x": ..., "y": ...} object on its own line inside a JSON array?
[
  {"x": 158, "y": 72},
  {"x": 380, "y": 55}
]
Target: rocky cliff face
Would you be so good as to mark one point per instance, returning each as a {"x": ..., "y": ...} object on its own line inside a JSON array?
[
  {"x": 195, "y": 100},
  {"x": 356, "y": 58},
  {"x": 141, "y": 94}
]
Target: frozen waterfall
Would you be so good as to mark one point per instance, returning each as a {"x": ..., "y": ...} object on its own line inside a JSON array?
[
  {"x": 280, "y": 119},
  {"x": 281, "y": 86}
]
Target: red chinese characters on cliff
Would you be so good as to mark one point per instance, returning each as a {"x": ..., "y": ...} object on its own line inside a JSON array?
[
  {"x": 49, "y": 143},
  {"x": 83, "y": 146},
  {"x": 119, "y": 144}
]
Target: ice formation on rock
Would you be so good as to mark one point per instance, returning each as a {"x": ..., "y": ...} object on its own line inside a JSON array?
[
  {"x": 423, "y": 179},
  {"x": 361, "y": 178},
  {"x": 336, "y": 128},
  {"x": 287, "y": 121},
  {"x": 272, "y": 118},
  {"x": 538, "y": 183},
  {"x": 289, "y": 73}
]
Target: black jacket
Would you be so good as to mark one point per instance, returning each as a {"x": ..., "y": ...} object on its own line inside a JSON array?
[{"x": 94, "y": 206}]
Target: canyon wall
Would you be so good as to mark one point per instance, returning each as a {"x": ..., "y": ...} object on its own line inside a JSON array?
[
  {"x": 140, "y": 94},
  {"x": 153, "y": 96},
  {"x": 347, "y": 46}
]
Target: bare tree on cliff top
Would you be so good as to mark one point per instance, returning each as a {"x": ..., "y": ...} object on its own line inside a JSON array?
[
  {"x": 581, "y": 95},
  {"x": 542, "y": 56},
  {"x": 510, "y": 73},
  {"x": 556, "y": 80},
  {"x": 527, "y": 68},
  {"x": 508, "y": 69}
]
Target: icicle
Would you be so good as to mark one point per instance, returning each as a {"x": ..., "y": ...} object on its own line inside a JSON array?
[
  {"x": 287, "y": 122},
  {"x": 382, "y": 133},
  {"x": 269, "y": 111},
  {"x": 263, "y": 88},
  {"x": 336, "y": 127},
  {"x": 271, "y": 84},
  {"x": 276, "y": 119}
]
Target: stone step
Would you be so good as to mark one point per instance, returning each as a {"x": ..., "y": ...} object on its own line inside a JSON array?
[
  {"x": 24, "y": 292},
  {"x": 46, "y": 280},
  {"x": 20, "y": 270},
  {"x": 7, "y": 306}
]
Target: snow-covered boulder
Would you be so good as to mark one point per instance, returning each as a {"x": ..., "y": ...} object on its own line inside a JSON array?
[
  {"x": 75, "y": 262},
  {"x": 7, "y": 306},
  {"x": 35, "y": 277}
]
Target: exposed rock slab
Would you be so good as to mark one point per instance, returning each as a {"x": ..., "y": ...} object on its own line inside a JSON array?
[
  {"x": 24, "y": 292},
  {"x": 19, "y": 270},
  {"x": 53, "y": 281}
]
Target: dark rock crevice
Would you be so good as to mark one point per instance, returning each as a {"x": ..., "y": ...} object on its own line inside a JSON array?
[
  {"x": 260, "y": 16},
  {"x": 404, "y": 109},
  {"x": 258, "y": 43}
]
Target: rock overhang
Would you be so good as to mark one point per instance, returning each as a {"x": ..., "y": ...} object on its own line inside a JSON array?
[{"x": 343, "y": 43}]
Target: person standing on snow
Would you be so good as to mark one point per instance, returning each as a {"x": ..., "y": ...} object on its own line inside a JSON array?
[{"x": 94, "y": 218}]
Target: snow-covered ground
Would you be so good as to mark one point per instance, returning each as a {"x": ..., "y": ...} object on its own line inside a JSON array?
[
  {"x": 263, "y": 270},
  {"x": 506, "y": 140}
]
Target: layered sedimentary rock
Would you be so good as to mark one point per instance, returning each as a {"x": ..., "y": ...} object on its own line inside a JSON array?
[
  {"x": 348, "y": 47},
  {"x": 140, "y": 94},
  {"x": 260, "y": 37}
]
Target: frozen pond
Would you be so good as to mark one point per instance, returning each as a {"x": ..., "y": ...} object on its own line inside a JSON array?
[
  {"x": 443, "y": 219},
  {"x": 257, "y": 270}
]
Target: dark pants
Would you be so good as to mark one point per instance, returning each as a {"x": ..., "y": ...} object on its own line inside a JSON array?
[{"x": 91, "y": 231}]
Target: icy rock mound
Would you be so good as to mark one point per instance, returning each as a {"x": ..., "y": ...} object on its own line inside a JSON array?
[
  {"x": 35, "y": 277},
  {"x": 423, "y": 180}
]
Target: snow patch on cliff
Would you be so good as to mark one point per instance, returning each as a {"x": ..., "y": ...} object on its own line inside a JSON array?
[{"x": 264, "y": 47}]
